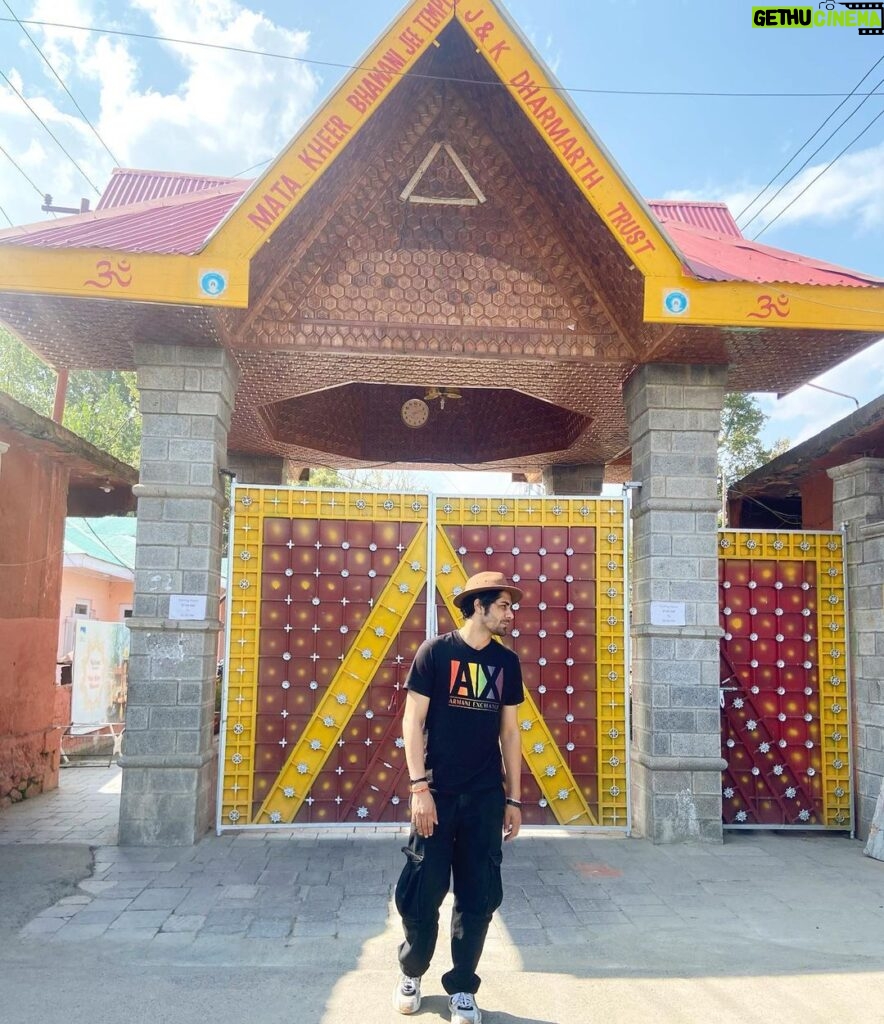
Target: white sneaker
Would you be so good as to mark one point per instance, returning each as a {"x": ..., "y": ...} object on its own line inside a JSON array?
[
  {"x": 407, "y": 994},
  {"x": 463, "y": 1009}
]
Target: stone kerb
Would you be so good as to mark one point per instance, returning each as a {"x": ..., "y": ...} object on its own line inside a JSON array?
[
  {"x": 168, "y": 761},
  {"x": 674, "y": 413}
]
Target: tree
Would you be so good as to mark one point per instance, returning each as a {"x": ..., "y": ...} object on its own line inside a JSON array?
[
  {"x": 101, "y": 405},
  {"x": 382, "y": 480},
  {"x": 393, "y": 480},
  {"x": 740, "y": 449},
  {"x": 323, "y": 476}
]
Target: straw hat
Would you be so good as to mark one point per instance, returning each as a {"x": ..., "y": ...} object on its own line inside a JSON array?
[{"x": 487, "y": 581}]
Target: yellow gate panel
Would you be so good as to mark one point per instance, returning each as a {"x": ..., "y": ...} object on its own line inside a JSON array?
[{"x": 327, "y": 605}]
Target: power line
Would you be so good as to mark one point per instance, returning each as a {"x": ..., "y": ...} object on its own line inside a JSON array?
[
  {"x": 23, "y": 172},
  {"x": 6, "y": 215},
  {"x": 101, "y": 541},
  {"x": 49, "y": 130},
  {"x": 795, "y": 174},
  {"x": 410, "y": 74},
  {"x": 818, "y": 176},
  {"x": 807, "y": 141},
  {"x": 786, "y": 518},
  {"x": 61, "y": 83},
  {"x": 260, "y": 163}
]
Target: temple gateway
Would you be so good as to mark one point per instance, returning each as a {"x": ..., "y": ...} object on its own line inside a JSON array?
[{"x": 446, "y": 268}]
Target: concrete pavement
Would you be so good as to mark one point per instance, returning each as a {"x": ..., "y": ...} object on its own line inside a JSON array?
[{"x": 299, "y": 927}]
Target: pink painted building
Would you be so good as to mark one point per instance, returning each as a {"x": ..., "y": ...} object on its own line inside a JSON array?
[{"x": 97, "y": 574}]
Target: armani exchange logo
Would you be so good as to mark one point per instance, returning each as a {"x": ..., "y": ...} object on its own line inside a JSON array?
[{"x": 475, "y": 686}]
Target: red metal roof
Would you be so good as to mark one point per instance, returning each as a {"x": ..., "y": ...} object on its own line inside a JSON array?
[
  {"x": 164, "y": 212},
  {"x": 713, "y": 257},
  {"x": 712, "y": 216},
  {"x": 128, "y": 186},
  {"x": 178, "y": 225}
]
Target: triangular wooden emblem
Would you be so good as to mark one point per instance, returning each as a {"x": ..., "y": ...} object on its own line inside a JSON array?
[{"x": 439, "y": 151}]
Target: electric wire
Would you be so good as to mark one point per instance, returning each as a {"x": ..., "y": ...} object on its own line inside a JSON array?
[
  {"x": 786, "y": 518},
  {"x": 22, "y": 172},
  {"x": 254, "y": 167},
  {"x": 254, "y": 52},
  {"x": 410, "y": 74},
  {"x": 50, "y": 132},
  {"x": 817, "y": 177},
  {"x": 33, "y": 561},
  {"x": 60, "y": 552},
  {"x": 795, "y": 174},
  {"x": 807, "y": 141},
  {"x": 49, "y": 64},
  {"x": 110, "y": 551},
  {"x": 6, "y": 215}
]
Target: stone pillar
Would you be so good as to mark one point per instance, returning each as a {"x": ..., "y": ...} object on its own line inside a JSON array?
[
  {"x": 272, "y": 470},
  {"x": 584, "y": 480},
  {"x": 674, "y": 415},
  {"x": 168, "y": 754},
  {"x": 858, "y": 502}
]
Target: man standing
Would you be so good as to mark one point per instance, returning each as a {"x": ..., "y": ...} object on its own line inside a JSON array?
[{"x": 460, "y": 716}]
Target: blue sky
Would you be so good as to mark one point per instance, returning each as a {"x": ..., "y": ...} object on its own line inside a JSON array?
[{"x": 186, "y": 108}]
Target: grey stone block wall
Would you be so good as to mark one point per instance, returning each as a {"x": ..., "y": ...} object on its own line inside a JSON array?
[
  {"x": 859, "y": 503},
  {"x": 270, "y": 470},
  {"x": 674, "y": 415},
  {"x": 583, "y": 480},
  {"x": 168, "y": 760}
]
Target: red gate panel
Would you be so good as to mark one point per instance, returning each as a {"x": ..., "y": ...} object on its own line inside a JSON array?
[{"x": 783, "y": 680}]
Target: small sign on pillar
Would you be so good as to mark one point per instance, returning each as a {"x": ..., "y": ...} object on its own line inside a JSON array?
[
  {"x": 667, "y": 613},
  {"x": 187, "y": 606}
]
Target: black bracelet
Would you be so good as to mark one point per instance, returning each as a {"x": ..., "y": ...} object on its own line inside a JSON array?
[
  {"x": 514, "y": 803},
  {"x": 414, "y": 782}
]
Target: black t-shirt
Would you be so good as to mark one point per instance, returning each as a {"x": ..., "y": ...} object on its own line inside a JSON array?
[{"x": 467, "y": 689}]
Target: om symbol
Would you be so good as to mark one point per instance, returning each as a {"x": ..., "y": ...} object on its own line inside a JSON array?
[
  {"x": 106, "y": 275},
  {"x": 768, "y": 305}
]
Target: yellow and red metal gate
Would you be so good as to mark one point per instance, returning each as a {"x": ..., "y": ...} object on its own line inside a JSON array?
[
  {"x": 328, "y": 604},
  {"x": 785, "y": 708}
]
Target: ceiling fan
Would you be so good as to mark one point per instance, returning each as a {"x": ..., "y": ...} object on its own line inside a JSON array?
[{"x": 415, "y": 411}]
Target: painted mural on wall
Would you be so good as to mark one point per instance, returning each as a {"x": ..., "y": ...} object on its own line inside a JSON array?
[{"x": 99, "y": 675}]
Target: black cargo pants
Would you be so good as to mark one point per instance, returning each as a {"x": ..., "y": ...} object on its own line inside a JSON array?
[{"x": 465, "y": 847}]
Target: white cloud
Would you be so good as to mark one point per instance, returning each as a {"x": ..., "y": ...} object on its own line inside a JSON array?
[
  {"x": 851, "y": 191},
  {"x": 807, "y": 411},
  {"x": 219, "y": 112}
]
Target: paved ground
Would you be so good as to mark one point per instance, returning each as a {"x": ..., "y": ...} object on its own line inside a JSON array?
[{"x": 258, "y": 927}]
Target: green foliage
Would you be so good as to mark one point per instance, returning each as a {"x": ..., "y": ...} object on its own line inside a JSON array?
[
  {"x": 325, "y": 477},
  {"x": 101, "y": 405},
  {"x": 362, "y": 479},
  {"x": 740, "y": 449},
  {"x": 24, "y": 376}
]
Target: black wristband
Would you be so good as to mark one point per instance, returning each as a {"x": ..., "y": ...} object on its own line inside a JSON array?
[
  {"x": 414, "y": 782},
  {"x": 514, "y": 803}
]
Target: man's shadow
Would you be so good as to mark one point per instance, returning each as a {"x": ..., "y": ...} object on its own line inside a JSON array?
[{"x": 439, "y": 1004}]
